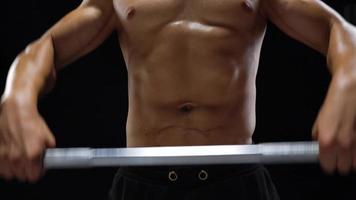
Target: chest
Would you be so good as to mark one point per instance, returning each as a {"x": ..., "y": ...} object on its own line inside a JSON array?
[{"x": 153, "y": 13}]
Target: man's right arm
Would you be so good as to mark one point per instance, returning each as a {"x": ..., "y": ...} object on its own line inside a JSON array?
[{"x": 24, "y": 136}]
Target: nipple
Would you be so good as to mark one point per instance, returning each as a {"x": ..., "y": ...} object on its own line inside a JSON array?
[
  {"x": 247, "y": 5},
  {"x": 130, "y": 12}
]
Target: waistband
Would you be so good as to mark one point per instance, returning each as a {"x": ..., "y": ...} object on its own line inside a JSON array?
[{"x": 187, "y": 175}]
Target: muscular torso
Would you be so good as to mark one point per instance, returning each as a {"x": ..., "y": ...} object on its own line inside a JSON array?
[{"x": 191, "y": 66}]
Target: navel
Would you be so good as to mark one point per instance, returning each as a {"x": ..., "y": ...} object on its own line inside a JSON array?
[
  {"x": 130, "y": 12},
  {"x": 187, "y": 107}
]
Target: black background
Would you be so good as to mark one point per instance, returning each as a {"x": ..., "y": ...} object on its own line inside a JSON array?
[{"x": 88, "y": 107}]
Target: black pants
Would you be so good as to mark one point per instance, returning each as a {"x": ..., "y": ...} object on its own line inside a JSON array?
[{"x": 198, "y": 182}]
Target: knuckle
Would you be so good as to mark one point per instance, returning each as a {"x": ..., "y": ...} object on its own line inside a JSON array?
[
  {"x": 15, "y": 156},
  {"x": 3, "y": 154},
  {"x": 326, "y": 142},
  {"x": 345, "y": 82},
  {"x": 40, "y": 140},
  {"x": 35, "y": 150},
  {"x": 34, "y": 173},
  {"x": 16, "y": 169},
  {"x": 34, "y": 154},
  {"x": 344, "y": 143}
]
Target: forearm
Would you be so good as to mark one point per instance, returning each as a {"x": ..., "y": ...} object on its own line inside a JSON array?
[
  {"x": 334, "y": 127},
  {"x": 32, "y": 73},
  {"x": 341, "y": 52}
]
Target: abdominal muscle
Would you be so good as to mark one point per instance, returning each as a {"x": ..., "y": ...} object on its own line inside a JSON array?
[
  {"x": 186, "y": 124},
  {"x": 163, "y": 133},
  {"x": 194, "y": 89}
]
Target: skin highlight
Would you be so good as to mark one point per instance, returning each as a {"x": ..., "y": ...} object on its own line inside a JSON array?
[{"x": 192, "y": 68}]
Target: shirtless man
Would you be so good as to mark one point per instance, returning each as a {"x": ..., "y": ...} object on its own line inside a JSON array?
[{"x": 191, "y": 66}]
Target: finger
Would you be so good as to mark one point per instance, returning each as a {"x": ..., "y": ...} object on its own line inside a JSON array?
[
  {"x": 34, "y": 162},
  {"x": 50, "y": 139},
  {"x": 326, "y": 130},
  {"x": 344, "y": 160},
  {"x": 34, "y": 146},
  {"x": 16, "y": 163},
  {"x": 15, "y": 155},
  {"x": 6, "y": 174},
  {"x": 315, "y": 130},
  {"x": 354, "y": 157},
  {"x": 18, "y": 170},
  {"x": 344, "y": 143},
  {"x": 3, "y": 152},
  {"x": 327, "y": 153},
  {"x": 328, "y": 160},
  {"x": 34, "y": 171},
  {"x": 5, "y": 171},
  {"x": 353, "y": 148}
]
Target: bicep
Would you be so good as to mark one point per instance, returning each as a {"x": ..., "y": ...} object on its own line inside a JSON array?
[
  {"x": 308, "y": 21},
  {"x": 81, "y": 31}
]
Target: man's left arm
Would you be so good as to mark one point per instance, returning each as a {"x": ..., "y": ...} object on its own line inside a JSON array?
[{"x": 323, "y": 29}]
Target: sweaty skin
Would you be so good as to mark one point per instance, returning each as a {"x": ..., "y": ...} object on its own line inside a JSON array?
[{"x": 192, "y": 68}]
